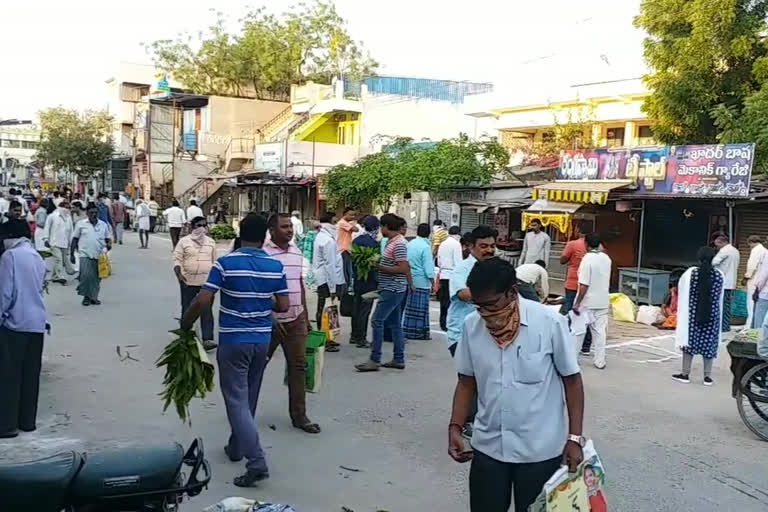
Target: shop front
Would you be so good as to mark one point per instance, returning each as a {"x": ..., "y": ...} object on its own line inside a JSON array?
[{"x": 653, "y": 207}]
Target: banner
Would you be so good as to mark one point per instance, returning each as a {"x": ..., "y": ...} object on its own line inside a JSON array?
[{"x": 704, "y": 170}]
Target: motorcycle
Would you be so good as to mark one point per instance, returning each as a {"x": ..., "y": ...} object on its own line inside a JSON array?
[{"x": 145, "y": 479}]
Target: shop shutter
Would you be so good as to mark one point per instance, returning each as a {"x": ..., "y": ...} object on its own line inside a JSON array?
[
  {"x": 750, "y": 220},
  {"x": 470, "y": 219}
]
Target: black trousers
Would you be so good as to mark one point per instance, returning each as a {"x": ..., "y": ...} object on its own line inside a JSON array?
[
  {"x": 175, "y": 234},
  {"x": 491, "y": 483},
  {"x": 444, "y": 295},
  {"x": 188, "y": 293},
  {"x": 21, "y": 356},
  {"x": 152, "y": 223},
  {"x": 361, "y": 312}
]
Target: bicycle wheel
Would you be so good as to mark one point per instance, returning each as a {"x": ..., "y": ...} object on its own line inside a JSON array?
[{"x": 752, "y": 400}]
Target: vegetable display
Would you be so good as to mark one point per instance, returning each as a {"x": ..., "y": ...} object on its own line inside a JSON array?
[
  {"x": 188, "y": 372},
  {"x": 365, "y": 260}
]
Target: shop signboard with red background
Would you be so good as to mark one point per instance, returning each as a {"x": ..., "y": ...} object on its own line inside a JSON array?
[{"x": 703, "y": 170}]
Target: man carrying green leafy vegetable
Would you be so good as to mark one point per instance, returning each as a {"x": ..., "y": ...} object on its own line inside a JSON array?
[{"x": 252, "y": 286}]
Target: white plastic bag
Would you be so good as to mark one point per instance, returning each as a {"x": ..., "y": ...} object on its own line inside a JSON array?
[{"x": 649, "y": 315}]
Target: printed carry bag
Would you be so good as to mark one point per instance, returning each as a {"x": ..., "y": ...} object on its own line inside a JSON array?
[{"x": 330, "y": 322}]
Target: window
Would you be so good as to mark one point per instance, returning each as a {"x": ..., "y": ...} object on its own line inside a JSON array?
[
  {"x": 548, "y": 137},
  {"x": 29, "y": 144},
  {"x": 8, "y": 143},
  {"x": 645, "y": 136},
  {"x": 614, "y": 137}
]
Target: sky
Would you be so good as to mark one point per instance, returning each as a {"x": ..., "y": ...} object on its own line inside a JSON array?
[{"x": 61, "y": 52}]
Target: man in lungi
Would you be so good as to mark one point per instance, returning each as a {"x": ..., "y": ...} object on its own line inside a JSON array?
[
  {"x": 90, "y": 238},
  {"x": 416, "y": 315}
]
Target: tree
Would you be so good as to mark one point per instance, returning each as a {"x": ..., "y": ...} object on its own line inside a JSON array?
[
  {"x": 706, "y": 57},
  {"x": 74, "y": 141},
  {"x": 267, "y": 54},
  {"x": 407, "y": 167},
  {"x": 574, "y": 133}
]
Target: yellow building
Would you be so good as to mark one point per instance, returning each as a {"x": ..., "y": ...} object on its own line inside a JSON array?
[{"x": 611, "y": 111}]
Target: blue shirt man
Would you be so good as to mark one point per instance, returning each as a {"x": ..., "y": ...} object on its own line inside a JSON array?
[
  {"x": 22, "y": 323},
  {"x": 421, "y": 262},
  {"x": 252, "y": 285},
  {"x": 483, "y": 247}
]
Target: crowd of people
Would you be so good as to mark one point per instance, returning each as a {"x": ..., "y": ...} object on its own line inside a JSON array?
[{"x": 519, "y": 394}]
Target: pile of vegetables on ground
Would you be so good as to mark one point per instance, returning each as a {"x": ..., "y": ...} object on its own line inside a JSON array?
[
  {"x": 365, "y": 260},
  {"x": 188, "y": 372}
]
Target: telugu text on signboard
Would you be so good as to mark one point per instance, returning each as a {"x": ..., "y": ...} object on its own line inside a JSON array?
[{"x": 694, "y": 170}]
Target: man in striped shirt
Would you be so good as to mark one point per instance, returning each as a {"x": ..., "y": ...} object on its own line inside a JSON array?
[
  {"x": 292, "y": 326},
  {"x": 252, "y": 286},
  {"x": 394, "y": 278}
]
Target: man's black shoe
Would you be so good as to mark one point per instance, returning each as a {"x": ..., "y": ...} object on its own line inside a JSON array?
[{"x": 250, "y": 478}]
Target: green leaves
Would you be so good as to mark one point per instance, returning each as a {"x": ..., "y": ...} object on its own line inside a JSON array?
[
  {"x": 222, "y": 232},
  {"x": 406, "y": 167},
  {"x": 188, "y": 372},
  {"x": 365, "y": 260},
  {"x": 267, "y": 54},
  {"x": 76, "y": 141},
  {"x": 706, "y": 58}
]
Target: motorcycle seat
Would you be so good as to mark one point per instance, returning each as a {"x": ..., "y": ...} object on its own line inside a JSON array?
[
  {"x": 127, "y": 471},
  {"x": 40, "y": 485}
]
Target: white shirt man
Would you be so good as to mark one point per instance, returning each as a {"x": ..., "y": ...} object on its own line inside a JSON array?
[
  {"x": 536, "y": 245},
  {"x": 175, "y": 217},
  {"x": 448, "y": 256},
  {"x": 57, "y": 235},
  {"x": 327, "y": 266},
  {"x": 756, "y": 257},
  {"x": 593, "y": 296},
  {"x": 727, "y": 261},
  {"x": 194, "y": 211},
  {"x": 298, "y": 226},
  {"x": 4, "y": 205},
  {"x": 533, "y": 274}
]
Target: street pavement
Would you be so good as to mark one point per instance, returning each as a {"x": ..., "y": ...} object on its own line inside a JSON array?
[{"x": 666, "y": 446}]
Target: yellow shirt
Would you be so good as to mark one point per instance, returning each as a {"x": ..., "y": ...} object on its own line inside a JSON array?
[
  {"x": 195, "y": 260},
  {"x": 438, "y": 237}
]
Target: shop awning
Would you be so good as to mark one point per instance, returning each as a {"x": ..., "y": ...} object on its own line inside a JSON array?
[
  {"x": 591, "y": 192},
  {"x": 551, "y": 213}
]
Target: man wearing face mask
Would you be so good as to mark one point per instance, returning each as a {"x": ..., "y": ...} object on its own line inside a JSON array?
[
  {"x": 57, "y": 235},
  {"x": 193, "y": 259},
  {"x": 517, "y": 357}
]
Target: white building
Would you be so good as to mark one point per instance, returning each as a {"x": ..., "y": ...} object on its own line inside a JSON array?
[{"x": 19, "y": 141}]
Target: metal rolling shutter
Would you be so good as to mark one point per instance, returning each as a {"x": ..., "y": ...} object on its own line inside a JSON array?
[
  {"x": 750, "y": 220},
  {"x": 470, "y": 219}
]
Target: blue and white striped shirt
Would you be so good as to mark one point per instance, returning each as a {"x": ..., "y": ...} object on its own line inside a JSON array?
[{"x": 247, "y": 278}]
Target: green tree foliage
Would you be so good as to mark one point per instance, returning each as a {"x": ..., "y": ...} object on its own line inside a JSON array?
[
  {"x": 706, "y": 58},
  {"x": 79, "y": 142},
  {"x": 574, "y": 133},
  {"x": 406, "y": 167},
  {"x": 267, "y": 53}
]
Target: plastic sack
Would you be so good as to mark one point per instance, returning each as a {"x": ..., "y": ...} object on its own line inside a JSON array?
[
  {"x": 346, "y": 305},
  {"x": 314, "y": 361},
  {"x": 105, "y": 268},
  {"x": 622, "y": 307},
  {"x": 649, "y": 315}
]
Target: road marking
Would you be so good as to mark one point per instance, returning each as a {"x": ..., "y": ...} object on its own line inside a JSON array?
[{"x": 640, "y": 341}]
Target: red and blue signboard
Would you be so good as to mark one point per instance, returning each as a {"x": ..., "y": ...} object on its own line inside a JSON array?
[{"x": 703, "y": 170}]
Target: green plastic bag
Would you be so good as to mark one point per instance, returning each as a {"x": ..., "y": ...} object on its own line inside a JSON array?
[{"x": 314, "y": 359}]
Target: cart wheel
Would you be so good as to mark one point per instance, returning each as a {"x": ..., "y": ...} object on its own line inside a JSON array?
[{"x": 752, "y": 400}]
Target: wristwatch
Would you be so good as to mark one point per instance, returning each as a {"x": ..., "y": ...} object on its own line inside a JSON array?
[{"x": 580, "y": 440}]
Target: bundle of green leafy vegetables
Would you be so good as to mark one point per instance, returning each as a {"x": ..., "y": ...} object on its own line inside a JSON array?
[
  {"x": 365, "y": 260},
  {"x": 188, "y": 372}
]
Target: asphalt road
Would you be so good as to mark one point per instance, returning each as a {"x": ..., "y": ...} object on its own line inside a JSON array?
[{"x": 666, "y": 446}]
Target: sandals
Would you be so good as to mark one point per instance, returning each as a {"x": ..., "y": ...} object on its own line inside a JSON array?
[
  {"x": 308, "y": 427},
  {"x": 332, "y": 347}
]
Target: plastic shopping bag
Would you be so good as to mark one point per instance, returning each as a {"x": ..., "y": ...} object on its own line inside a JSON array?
[
  {"x": 622, "y": 307},
  {"x": 649, "y": 315},
  {"x": 105, "y": 268},
  {"x": 330, "y": 322}
]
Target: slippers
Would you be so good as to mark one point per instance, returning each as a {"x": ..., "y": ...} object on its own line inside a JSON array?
[
  {"x": 332, "y": 348},
  {"x": 309, "y": 428}
]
